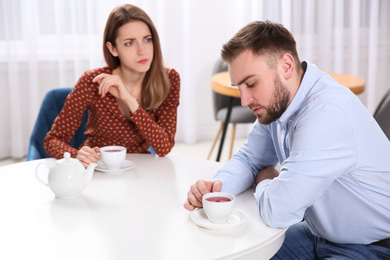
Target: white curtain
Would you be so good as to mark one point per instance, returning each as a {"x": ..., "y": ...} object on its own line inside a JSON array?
[{"x": 47, "y": 44}]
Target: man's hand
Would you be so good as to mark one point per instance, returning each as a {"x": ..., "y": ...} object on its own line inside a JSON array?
[
  {"x": 197, "y": 190},
  {"x": 266, "y": 173}
]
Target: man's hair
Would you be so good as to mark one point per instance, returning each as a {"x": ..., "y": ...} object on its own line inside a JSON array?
[{"x": 262, "y": 38}]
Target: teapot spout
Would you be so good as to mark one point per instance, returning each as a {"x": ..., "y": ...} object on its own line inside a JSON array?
[{"x": 89, "y": 172}]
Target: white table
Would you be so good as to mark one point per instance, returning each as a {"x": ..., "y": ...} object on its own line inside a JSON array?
[{"x": 137, "y": 214}]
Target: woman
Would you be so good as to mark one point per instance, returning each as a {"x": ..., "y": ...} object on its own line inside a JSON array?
[{"x": 132, "y": 102}]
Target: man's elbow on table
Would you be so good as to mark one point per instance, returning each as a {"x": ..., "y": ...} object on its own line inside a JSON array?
[
  {"x": 278, "y": 220},
  {"x": 272, "y": 215}
]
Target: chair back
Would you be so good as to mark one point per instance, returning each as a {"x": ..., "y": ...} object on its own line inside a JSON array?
[
  {"x": 221, "y": 101},
  {"x": 52, "y": 104},
  {"x": 382, "y": 114}
]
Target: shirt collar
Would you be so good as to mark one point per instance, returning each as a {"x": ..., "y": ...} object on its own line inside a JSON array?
[{"x": 309, "y": 79}]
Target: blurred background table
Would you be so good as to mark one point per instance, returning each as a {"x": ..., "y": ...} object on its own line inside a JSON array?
[
  {"x": 355, "y": 84},
  {"x": 137, "y": 214},
  {"x": 221, "y": 84}
]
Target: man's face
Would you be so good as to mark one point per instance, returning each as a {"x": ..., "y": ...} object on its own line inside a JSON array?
[{"x": 261, "y": 88}]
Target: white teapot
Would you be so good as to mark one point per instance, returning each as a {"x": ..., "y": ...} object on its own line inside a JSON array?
[{"x": 67, "y": 178}]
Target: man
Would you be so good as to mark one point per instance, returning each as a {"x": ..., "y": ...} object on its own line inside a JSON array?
[{"x": 334, "y": 158}]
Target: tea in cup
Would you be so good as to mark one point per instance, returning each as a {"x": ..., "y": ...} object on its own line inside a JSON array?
[
  {"x": 218, "y": 206},
  {"x": 113, "y": 156}
]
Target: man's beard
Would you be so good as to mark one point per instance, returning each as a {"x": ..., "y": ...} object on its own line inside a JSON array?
[{"x": 277, "y": 106}]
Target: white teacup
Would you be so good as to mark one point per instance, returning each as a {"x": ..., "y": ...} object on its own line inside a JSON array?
[
  {"x": 113, "y": 156},
  {"x": 218, "y": 206}
]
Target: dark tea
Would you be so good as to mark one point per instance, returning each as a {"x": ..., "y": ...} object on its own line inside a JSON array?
[
  {"x": 112, "y": 151},
  {"x": 218, "y": 199}
]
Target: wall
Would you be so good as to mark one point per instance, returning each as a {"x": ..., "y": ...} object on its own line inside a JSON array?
[{"x": 56, "y": 41}]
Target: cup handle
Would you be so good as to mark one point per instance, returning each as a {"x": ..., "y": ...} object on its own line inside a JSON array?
[{"x": 37, "y": 173}]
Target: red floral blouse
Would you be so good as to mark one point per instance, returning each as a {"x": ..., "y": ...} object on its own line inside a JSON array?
[{"x": 107, "y": 126}]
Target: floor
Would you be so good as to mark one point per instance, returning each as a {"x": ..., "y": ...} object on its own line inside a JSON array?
[
  {"x": 202, "y": 149},
  {"x": 5, "y": 162},
  {"x": 199, "y": 150}
]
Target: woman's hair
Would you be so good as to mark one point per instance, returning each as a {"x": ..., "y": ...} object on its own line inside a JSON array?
[
  {"x": 155, "y": 86},
  {"x": 262, "y": 38}
]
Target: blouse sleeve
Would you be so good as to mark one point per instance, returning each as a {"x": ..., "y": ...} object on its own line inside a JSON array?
[
  {"x": 67, "y": 122},
  {"x": 160, "y": 133}
]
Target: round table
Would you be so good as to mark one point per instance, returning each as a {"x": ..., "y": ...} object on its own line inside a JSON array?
[{"x": 137, "y": 214}]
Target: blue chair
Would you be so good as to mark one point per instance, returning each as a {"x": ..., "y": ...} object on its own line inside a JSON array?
[{"x": 51, "y": 106}]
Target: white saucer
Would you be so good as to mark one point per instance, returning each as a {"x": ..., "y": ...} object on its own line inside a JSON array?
[
  {"x": 200, "y": 218},
  {"x": 127, "y": 165}
]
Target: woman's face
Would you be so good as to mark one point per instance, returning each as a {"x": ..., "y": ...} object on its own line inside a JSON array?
[{"x": 134, "y": 47}]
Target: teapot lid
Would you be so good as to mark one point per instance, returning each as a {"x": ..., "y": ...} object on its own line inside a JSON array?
[{"x": 68, "y": 161}]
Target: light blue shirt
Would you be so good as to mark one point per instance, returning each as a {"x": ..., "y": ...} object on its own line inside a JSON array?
[{"x": 335, "y": 165}]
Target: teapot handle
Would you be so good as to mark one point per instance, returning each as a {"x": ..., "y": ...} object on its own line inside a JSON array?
[{"x": 37, "y": 173}]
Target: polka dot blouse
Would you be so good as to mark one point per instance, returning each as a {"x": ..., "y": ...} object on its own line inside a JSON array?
[{"x": 107, "y": 126}]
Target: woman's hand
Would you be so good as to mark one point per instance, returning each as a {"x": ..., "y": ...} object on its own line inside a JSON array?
[
  {"x": 113, "y": 84},
  {"x": 197, "y": 190},
  {"x": 87, "y": 155}
]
